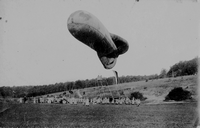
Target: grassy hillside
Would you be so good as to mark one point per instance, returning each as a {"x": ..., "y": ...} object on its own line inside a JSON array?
[
  {"x": 177, "y": 115},
  {"x": 154, "y": 90}
]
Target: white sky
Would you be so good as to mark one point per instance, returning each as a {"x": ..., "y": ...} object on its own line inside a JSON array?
[{"x": 36, "y": 47}]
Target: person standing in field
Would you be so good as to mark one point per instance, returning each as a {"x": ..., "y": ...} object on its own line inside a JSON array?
[
  {"x": 34, "y": 100},
  {"x": 87, "y": 102},
  {"x": 137, "y": 102},
  {"x": 133, "y": 101}
]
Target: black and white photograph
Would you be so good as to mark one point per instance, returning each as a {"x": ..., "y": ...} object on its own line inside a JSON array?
[{"x": 99, "y": 63}]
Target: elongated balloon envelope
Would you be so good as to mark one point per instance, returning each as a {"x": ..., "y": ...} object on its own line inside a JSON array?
[{"x": 89, "y": 30}]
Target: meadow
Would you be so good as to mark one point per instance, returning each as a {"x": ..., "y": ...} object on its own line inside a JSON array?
[
  {"x": 154, "y": 90},
  {"x": 176, "y": 115},
  {"x": 152, "y": 113}
]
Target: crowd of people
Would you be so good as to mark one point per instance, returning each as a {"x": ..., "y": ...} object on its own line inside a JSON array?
[{"x": 87, "y": 101}]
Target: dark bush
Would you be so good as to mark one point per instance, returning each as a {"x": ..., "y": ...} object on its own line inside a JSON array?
[
  {"x": 137, "y": 95},
  {"x": 178, "y": 94},
  {"x": 121, "y": 93}
]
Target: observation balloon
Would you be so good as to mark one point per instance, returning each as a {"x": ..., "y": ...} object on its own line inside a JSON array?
[{"x": 89, "y": 30}]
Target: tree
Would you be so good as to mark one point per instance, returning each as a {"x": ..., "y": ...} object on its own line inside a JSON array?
[
  {"x": 163, "y": 73},
  {"x": 78, "y": 84},
  {"x": 178, "y": 94},
  {"x": 137, "y": 95},
  {"x": 182, "y": 68}
]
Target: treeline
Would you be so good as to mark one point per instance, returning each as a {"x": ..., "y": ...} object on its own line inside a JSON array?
[
  {"x": 179, "y": 69},
  {"x": 184, "y": 68},
  {"x": 32, "y": 91}
]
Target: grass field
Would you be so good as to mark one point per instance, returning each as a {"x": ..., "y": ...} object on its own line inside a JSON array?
[
  {"x": 152, "y": 113},
  {"x": 178, "y": 115}
]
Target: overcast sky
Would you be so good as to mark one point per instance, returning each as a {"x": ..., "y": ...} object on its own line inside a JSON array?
[{"x": 36, "y": 47}]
